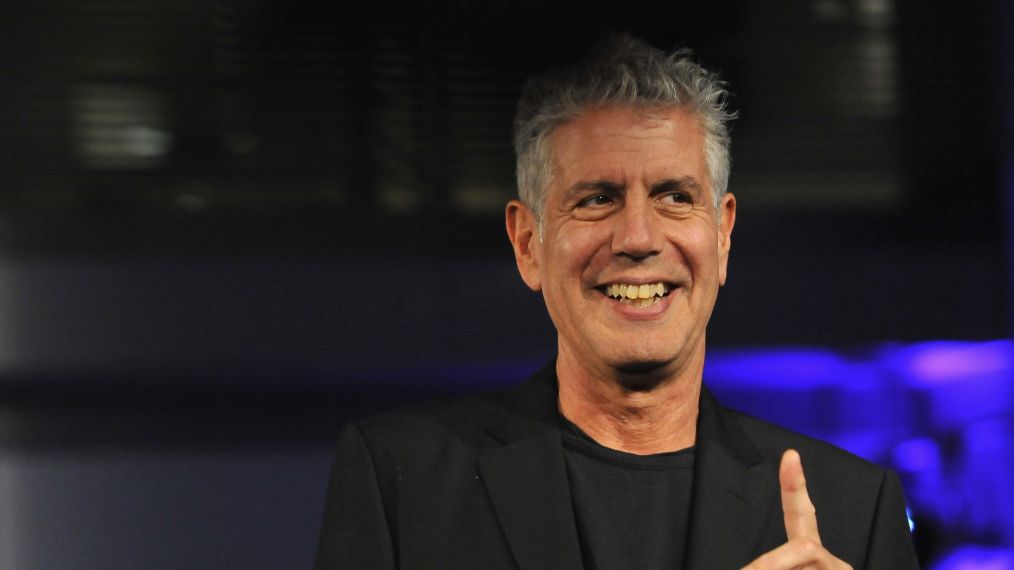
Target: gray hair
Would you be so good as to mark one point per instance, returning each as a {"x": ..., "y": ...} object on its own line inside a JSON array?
[{"x": 628, "y": 72}]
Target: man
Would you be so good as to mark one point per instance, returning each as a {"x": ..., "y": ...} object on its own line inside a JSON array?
[{"x": 614, "y": 455}]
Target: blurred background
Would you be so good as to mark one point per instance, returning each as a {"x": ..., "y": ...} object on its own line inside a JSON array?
[{"x": 227, "y": 227}]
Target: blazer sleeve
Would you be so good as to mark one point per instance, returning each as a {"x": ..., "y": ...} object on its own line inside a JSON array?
[
  {"x": 891, "y": 546},
  {"x": 355, "y": 532}
]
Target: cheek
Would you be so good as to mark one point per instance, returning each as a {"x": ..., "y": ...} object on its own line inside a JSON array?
[
  {"x": 578, "y": 252},
  {"x": 700, "y": 248}
]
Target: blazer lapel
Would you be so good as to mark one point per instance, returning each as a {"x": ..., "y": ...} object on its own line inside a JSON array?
[
  {"x": 526, "y": 477},
  {"x": 732, "y": 500}
]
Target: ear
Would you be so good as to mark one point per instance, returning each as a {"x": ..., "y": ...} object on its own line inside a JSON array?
[
  {"x": 726, "y": 219},
  {"x": 523, "y": 233}
]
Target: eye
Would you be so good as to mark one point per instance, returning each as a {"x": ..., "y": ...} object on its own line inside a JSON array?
[
  {"x": 673, "y": 198},
  {"x": 596, "y": 200}
]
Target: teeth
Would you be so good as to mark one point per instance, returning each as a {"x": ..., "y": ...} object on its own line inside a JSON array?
[{"x": 638, "y": 295}]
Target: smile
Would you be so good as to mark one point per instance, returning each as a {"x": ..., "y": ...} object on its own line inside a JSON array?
[{"x": 640, "y": 296}]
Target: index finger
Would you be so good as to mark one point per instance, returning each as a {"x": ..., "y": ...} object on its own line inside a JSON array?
[{"x": 800, "y": 514}]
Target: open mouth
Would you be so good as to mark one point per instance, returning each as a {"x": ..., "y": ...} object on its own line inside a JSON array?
[{"x": 637, "y": 295}]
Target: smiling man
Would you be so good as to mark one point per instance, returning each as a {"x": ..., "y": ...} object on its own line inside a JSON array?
[
  {"x": 615, "y": 455},
  {"x": 629, "y": 248}
]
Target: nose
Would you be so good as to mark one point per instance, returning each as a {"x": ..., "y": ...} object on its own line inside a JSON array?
[{"x": 638, "y": 233}]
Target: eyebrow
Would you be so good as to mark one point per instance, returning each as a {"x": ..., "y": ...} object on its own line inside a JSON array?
[
  {"x": 687, "y": 183},
  {"x": 602, "y": 184}
]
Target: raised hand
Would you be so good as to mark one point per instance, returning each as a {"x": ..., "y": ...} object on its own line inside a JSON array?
[{"x": 803, "y": 551}]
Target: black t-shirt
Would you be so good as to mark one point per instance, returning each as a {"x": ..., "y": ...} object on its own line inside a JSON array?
[{"x": 632, "y": 511}]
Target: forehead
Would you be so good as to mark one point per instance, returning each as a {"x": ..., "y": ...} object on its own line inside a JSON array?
[{"x": 624, "y": 142}]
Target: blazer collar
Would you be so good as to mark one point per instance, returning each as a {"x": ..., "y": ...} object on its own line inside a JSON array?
[
  {"x": 732, "y": 501},
  {"x": 526, "y": 477}
]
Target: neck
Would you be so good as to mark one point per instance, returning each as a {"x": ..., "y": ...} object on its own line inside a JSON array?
[{"x": 638, "y": 420}]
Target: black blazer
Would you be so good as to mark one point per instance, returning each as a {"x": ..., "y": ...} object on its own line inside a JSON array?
[{"x": 480, "y": 483}]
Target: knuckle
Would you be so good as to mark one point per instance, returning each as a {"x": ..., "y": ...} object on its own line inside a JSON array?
[{"x": 809, "y": 547}]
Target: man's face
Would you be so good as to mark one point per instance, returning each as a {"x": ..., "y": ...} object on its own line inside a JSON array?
[{"x": 629, "y": 213}]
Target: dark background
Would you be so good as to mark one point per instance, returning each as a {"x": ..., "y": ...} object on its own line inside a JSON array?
[{"x": 228, "y": 227}]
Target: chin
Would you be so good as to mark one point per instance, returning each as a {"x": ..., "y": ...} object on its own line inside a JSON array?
[{"x": 643, "y": 374}]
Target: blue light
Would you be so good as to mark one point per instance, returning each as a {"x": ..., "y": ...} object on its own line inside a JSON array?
[
  {"x": 782, "y": 368},
  {"x": 917, "y": 455},
  {"x": 955, "y": 383},
  {"x": 977, "y": 558},
  {"x": 941, "y": 362}
]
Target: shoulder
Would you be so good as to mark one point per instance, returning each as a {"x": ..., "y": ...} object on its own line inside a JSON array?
[
  {"x": 849, "y": 492},
  {"x": 860, "y": 505},
  {"x": 820, "y": 458},
  {"x": 449, "y": 423},
  {"x": 470, "y": 420},
  {"x": 451, "y": 417}
]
